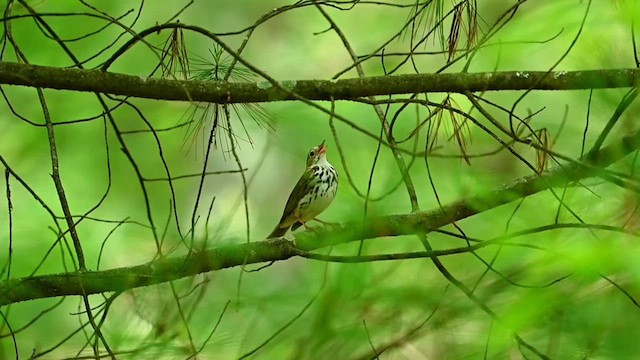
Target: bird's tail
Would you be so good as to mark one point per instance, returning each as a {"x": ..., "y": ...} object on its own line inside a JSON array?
[{"x": 278, "y": 232}]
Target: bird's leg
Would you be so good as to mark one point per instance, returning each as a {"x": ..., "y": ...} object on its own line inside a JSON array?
[
  {"x": 325, "y": 222},
  {"x": 306, "y": 227}
]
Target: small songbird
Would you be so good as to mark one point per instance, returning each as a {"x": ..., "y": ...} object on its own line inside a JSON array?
[{"x": 312, "y": 194}]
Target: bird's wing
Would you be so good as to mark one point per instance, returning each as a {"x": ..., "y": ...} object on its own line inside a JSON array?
[{"x": 302, "y": 187}]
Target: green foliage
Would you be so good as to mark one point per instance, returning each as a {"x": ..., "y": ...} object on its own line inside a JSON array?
[{"x": 566, "y": 292}]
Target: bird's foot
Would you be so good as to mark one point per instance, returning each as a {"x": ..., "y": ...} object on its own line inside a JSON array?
[
  {"x": 325, "y": 222},
  {"x": 308, "y": 227}
]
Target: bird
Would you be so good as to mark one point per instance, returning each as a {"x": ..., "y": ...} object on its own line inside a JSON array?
[{"x": 313, "y": 193}]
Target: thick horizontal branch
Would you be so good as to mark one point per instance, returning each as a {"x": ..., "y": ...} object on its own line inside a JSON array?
[
  {"x": 224, "y": 92},
  {"x": 167, "y": 269},
  {"x": 163, "y": 270}
]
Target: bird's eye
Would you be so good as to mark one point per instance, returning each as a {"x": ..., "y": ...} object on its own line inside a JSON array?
[{"x": 312, "y": 153}]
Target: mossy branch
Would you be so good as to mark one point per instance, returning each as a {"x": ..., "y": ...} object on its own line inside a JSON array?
[
  {"x": 225, "y": 92},
  {"x": 121, "y": 279}
]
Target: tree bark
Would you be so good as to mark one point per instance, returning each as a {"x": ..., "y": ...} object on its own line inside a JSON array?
[
  {"x": 346, "y": 89},
  {"x": 167, "y": 269}
]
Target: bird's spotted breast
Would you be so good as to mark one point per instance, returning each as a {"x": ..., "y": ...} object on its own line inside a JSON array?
[{"x": 321, "y": 190}]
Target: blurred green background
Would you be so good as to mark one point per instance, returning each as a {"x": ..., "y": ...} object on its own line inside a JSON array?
[{"x": 355, "y": 306}]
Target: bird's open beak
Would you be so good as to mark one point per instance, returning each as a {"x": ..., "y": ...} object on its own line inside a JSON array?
[{"x": 322, "y": 148}]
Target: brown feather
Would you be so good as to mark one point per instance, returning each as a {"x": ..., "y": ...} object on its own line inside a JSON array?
[{"x": 287, "y": 219}]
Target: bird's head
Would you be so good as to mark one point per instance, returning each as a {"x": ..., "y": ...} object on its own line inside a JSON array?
[{"x": 317, "y": 154}]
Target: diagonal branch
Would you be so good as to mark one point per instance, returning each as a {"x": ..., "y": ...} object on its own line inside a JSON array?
[
  {"x": 167, "y": 269},
  {"x": 154, "y": 272},
  {"x": 224, "y": 92}
]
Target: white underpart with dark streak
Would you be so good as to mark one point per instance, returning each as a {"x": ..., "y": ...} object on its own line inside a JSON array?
[{"x": 324, "y": 186}]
